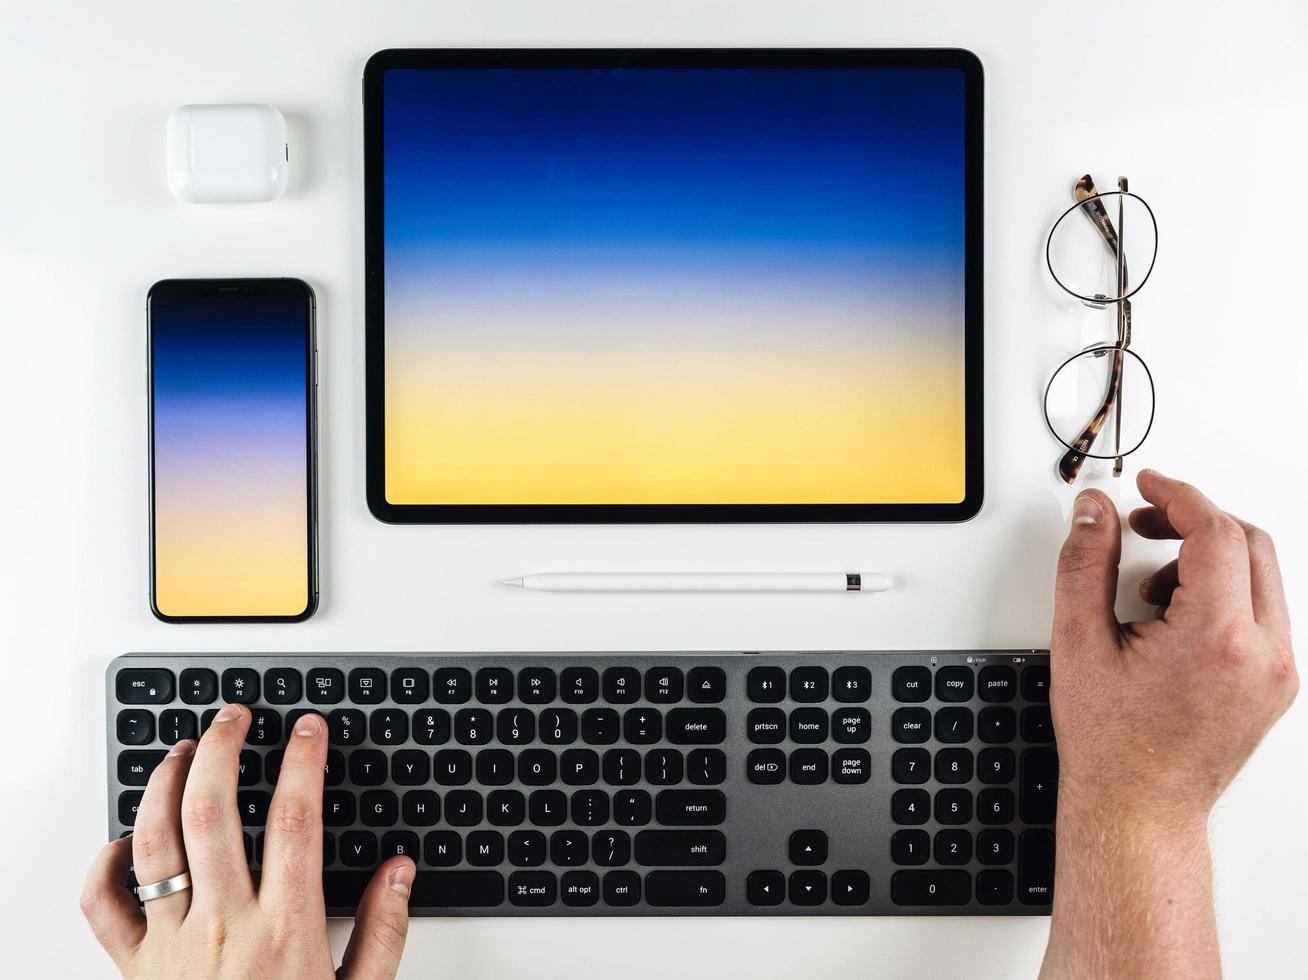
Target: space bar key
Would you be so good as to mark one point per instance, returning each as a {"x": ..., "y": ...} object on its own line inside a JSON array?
[{"x": 431, "y": 889}]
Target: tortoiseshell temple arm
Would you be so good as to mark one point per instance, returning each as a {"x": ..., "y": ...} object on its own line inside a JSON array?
[
  {"x": 1069, "y": 466},
  {"x": 1085, "y": 192}
]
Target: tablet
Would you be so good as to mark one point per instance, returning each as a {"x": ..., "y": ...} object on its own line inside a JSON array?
[{"x": 673, "y": 285}]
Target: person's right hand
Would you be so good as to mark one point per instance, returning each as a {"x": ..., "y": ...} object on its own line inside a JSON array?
[{"x": 1154, "y": 719}]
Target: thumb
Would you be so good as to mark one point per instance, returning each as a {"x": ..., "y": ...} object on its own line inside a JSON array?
[
  {"x": 381, "y": 924},
  {"x": 1087, "y": 574}
]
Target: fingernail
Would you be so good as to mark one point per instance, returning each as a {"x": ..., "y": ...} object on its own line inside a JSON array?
[
  {"x": 229, "y": 712},
  {"x": 308, "y": 725},
  {"x": 401, "y": 879},
  {"x": 1144, "y": 583},
  {"x": 184, "y": 747},
  {"x": 1087, "y": 510}
]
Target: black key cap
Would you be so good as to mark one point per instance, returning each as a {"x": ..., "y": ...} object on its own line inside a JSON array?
[
  {"x": 697, "y": 726},
  {"x": 421, "y": 808},
  {"x": 249, "y": 768},
  {"x": 994, "y": 806},
  {"x": 910, "y": 847},
  {"x": 134, "y": 768},
  {"x": 252, "y": 805},
  {"x": 930, "y": 887},
  {"x": 367, "y": 767},
  {"x": 994, "y": 887},
  {"x": 850, "y": 888},
  {"x": 955, "y": 683},
  {"x": 600, "y": 726},
  {"x": 766, "y": 685},
  {"x": 1037, "y": 726},
  {"x": 631, "y": 808},
  {"x": 265, "y": 727},
  {"x": 994, "y": 847},
  {"x": 506, "y": 808},
  {"x": 536, "y": 685},
  {"x": 953, "y": 847},
  {"x": 590, "y": 808},
  {"x": 338, "y": 808},
  {"x": 579, "y": 685},
  {"x": 144, "y": 685},
  {"x": 996, "y": 766},
  {"x": 547, "y": 807},
  {"x": 621, "y": 767},
  {"x": 451, "y": 685},
  {"x": 558, "y": 726},
  {"x": 379, "y": 808},
  {"x": 494, "y": 685},
  {"x": 766, "y": 726},
  {"x": 910, "y": 766},
  {"x": 539, "y": 767},
  {"x": 706, "y": 685},
  {"x": 326, "y": 685},
  {"x": 808, "y": 767},
  {"x": 579, "y": 767},
  {"x": 527, "y": 848},
  {"x": 664, "y": 767},
  {"x": 388, "y": 726},
  {"x": 808, "y": 887},
  {"x": 533, "y": 889},
  {"x": 359, "y": 848},
  {"x": 177, "y": 724},
  {"x": 1035, "y": 683},
  {"x": 690, "y": 807},
  {"x": 808, "y": 847},
  {"x": 621, "y": 888},
  {"x": 569, "y": 848},
  {"x": 954, "y": 725},
  {"x": 473, "y": 726},
  {"x": 431, "y": 889},
  {"x": 347, "y": 726},
  {"x": 911, "y": 684},
  {"x": 809, "y": 685},
  {"x": 765, "y": 888},
  {"x": 398, "y": 843},
  {"x": 611, "y": 848},
  {"x": 515, "y": 726},
  {"x": 664, "y": 685},
  {"x": 953, "y": 806},
  {"x": 128, "y": 804},
  {"x": 495, "y": 767},
  {"x": 1035, "y": 867},
  {"x": 666, "y": 889},
  {"x": 954, "y": 766},
  {"x": 910, "y": 806},
  {"x": 997, "y": 684},
  {"x": 911, "y": 725},
  {"x": 135, "y": 727},
  {"x": 851, "y": 766},
  {"x": 851, "y": 685},
  {"x": 706, "y": 767},
  {"x": 485, "y": 848},
  {"x": 642, "y": 726},
  {"x": 431, "y": 726},
  {"x": 766, "y": 766},
  {"x": 808, "y": 726},
  {"x": 680, "y": 848},
  {"x": 282, "y": 686},
  {"x": 463, "y": 808},
  {"x": 328, "y": 848},
  {"x": 996, "y": 725},
  {"x": 240, "y": 685},
  {"x": 851, "y": 726},
  {"x": 579, "y": 889},
  {"x": 442, "y": 848},
  {"x": 199, "y": 685},
  {"x": 621, "y": 685},
  {"x": 1038, "y": 789},
  {"x": 410, "y": 685}
]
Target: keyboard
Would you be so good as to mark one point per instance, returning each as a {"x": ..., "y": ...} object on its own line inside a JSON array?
[{"x": 851, "y": 783}]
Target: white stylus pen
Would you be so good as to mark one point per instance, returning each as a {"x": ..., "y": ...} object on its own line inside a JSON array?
[{"x": 704, "y": 582}]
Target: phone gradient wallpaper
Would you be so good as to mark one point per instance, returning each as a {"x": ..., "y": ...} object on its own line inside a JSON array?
[
  {"x": 674, "y": 285},
  {"x": 231, "y": 473}
]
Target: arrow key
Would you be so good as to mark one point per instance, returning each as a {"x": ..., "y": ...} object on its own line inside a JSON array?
[
  {"x": 850, "y": 888},
  {"x": 808, "y": 888},
  {"x": 765, "y": 887},
  {"x": 808, "y": 847}
]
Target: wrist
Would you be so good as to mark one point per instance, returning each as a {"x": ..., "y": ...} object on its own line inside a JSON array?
[{"x": 1147, "y": 819}]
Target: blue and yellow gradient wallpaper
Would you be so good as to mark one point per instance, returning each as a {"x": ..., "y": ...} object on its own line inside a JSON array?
[
  {"x": 674, "y": 285},
  {"x": 231, "y": 468}
]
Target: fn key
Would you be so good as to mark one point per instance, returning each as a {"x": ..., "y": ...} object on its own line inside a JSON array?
[{"x": 672, "y": 888}]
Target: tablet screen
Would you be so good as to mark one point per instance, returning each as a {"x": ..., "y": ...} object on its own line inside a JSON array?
[{"x": 676, "y": 285}]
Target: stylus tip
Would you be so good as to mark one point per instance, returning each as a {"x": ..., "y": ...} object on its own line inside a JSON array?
[{"x": 512, "y": 581}]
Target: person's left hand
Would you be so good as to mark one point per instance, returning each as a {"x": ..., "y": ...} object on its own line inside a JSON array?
[{"x": 222, "y": 926}]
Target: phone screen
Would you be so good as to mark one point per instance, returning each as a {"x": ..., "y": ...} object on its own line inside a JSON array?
[{"x": 232, "y": 449}]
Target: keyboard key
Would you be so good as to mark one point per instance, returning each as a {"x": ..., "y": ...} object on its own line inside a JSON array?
[
  {"x": 996, "y": 725},
  {"x": 558, "y": 726},
  {"x": 664, "y": 767},
  {"x": 128, "y": 804},
  {"x": 579, "y": 767},
  {"x": 326, "y": 685},
  {"x": 240, "y": 685},
  {"x": 765, "y": 888},
  {"x": 911, "y": 684},
  {"x": 621, "y": 767},
  {"x": 600, "y": 726},
  {"x": 621, "y": 888},
  {"x": 463, "y": 808},
  {"x": 766, "y": 766},
  {"x": 632, "y": 808},
  {"x": 135, "y": 727},
  {"x": 533, "y": 889},
  {"x": 548, "y": 807},
  {"x": 134, "y": 768},
  {"x": 421, "y": 808},
  {"x": 388, "y": 726},
  {"x": 431, "y": 726},
  {"x": 995, "y": 806},
  {"x": 851, "y": 766},
  {"x": 808, "y": 887},
  {"x": 398, "y": 843},
  {"x": 452, "y": 767},
  {"x": 540, "y": 767},
  {"x": 954, "y": 766},
  {"x": 851, "y": 685},
  {"x": 910, "y": 766},
  {"x": 265, "y": 727},
  {"x": 347, "y": 726},
  {"x": 680, "y": 848},
  {"x": 338, "y": 808},
  {"x": 379, "y": 808},
  {"x": 808, "y": 685},
  {"x": 367, "y": 767},
  {"x": 664, "y": 685},
  {"x": 579, "y": 889},
  {"x": 688, "y": 807},
  {"x": 252, "y": 805},
  {"x": 442, "y": 849},
  {"x": 1035, "y": 682},
  {"x": 997, "y": 684},
  {"x": 766, "y": 685},
  {"x": 1035, "y": 867},
  {"x": 1037, "y": 726},
  {"x": 569, "y": 848},
  {"x": 1038, "y": 790},
  {"x": 707, "y": 685},
  {"x": 994, "y": 887},
  {"x": 706, "y": 767},
  {"x": 766, "y": 726},
  {"x": 621, "y": 685},
  {"x": 409, "y": 685},
  {"x": 282, "y": 686},
  {"x": 473, "y": 726},
  {"x": 808, "y": 847},
  {"x": 590, "y": 808},
  {"x": 515, "y": 726},
  {"x": 527, "y": 848},
  {"x": 485, "y": 848},
  {"x": 579, "y": 685},
  {"x": 642, "y": 726},
  {"x": 494, "y": 685},
  {"x": 954, "y": 725},
  {"x": 175, "y": 725},
  {"x": 994, "y": 847},
  {"x": 850, "y": 888},
  {"x": 910, "y": 806},
  {"x": 808, "y": 726},
  {"x": 930, "y": 888},
  {"x": 451, "y": 685},
  {"x": 249, "y": 768},
  {"x": 910, "y": 725},
  {"x": 808, "y": 767},
  {"x": 953, "y": 806},
  {"x": 198, "y": 685},
  {"x": 494, "y": 767},
  {"x": 144, "y": 685},
  {"x": 953, "y": 847},
  {"x": 611, "y": 848},
  {"x": 431, "y": 889},
  {"x": 366, "y": 685},
  {"x": 506, "y": 808},
  {"x": 955, "y": 683},
  {"x": 697, "y": 726},
  {"x": 699, "y": 889},
  {"x": 910, "y": 847},
  {"x": 996, "y": 766},
  {"x": 851, "y": 726},
  {"x": 536, "y": 685}
]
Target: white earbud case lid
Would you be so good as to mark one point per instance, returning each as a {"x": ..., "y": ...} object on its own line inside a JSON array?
[{"x": 227, "y": 153}]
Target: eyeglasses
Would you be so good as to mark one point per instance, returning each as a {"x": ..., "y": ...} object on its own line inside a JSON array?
[{"x": 1086, "y": 404}]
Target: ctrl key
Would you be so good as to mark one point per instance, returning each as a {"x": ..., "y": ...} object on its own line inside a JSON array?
[{"x": 931, "y": 887}]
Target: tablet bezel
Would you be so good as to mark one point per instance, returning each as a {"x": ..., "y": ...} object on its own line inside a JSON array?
[{"x": 374, "y": 283}]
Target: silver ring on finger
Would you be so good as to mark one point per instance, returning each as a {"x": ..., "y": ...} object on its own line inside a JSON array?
[{"x": 161, "y": 889}]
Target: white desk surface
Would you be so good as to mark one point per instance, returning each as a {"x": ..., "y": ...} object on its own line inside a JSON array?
[{"x": 1202, "y": 104}]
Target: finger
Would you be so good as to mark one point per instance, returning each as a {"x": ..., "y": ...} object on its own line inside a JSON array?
[
  {"x": 211, "y": 827},
  {"x": 381, "y": 924},
  {"x": 1214, "y": 559},
  {"x": 292, "y": 850},
  {"x": 157, "y": 849},
  {"x": 1157, "y": 589},
  {"x": 1151, "y": 522},
  {"x": 1087, "y": 574},
  {"x": 1266, "y": 589},
  {"x": 109, "y": 906}
]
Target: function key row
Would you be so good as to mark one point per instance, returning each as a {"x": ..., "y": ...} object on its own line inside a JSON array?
[{"x": 996, "y": 683}]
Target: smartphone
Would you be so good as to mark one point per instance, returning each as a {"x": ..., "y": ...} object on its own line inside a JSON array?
[{"x": 233, "y": 450}]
